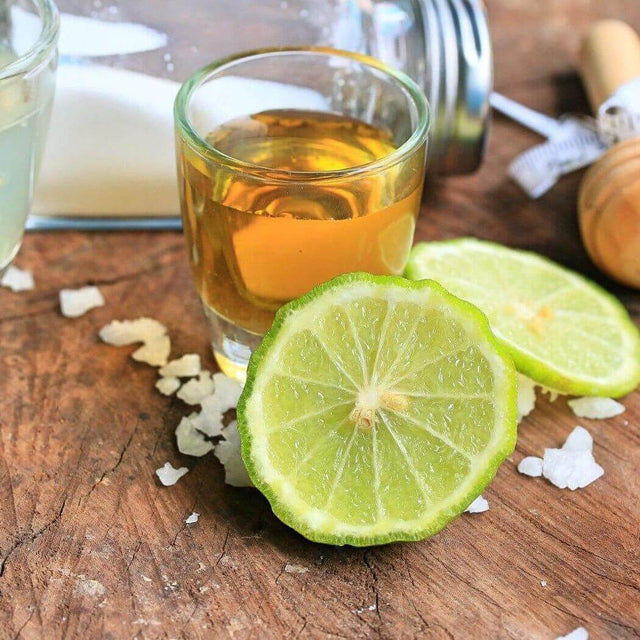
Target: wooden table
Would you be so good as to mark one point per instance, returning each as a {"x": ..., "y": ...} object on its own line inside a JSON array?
[{"x": 92, "y": 547}]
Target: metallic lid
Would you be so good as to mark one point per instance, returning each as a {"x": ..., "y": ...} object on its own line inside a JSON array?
[{"x": 458, "y": 82}]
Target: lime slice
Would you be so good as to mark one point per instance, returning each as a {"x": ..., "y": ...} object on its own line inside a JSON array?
[
  {"x": 561, "y": 329},
  {"x": 376, "y": 409}
]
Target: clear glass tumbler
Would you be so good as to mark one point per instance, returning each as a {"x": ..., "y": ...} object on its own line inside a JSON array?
[
  {"x": 28, "y": 37},
  {"x": 295, "y": 165}
]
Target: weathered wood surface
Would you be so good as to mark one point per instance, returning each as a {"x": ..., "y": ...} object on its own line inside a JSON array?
[{"x": 92, "y": 547}]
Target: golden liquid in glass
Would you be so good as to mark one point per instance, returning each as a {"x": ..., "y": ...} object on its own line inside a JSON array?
[{"x": 256, "y": 243}]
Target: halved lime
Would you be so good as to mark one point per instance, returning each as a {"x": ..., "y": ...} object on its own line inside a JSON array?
[
  {"x": 376, "y": 409},
  {"x": 561, "y": 329}
]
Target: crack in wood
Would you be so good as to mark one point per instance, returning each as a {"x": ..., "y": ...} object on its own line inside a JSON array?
[{"x": 26, "y": 540}]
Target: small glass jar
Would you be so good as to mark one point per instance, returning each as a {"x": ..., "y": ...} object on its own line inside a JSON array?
[{"x": 28, "y": 37}]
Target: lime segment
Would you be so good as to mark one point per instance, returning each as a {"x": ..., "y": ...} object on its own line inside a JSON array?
[
  {"x": 376, "y": 409},
  {"x": 562, "y": 330}
]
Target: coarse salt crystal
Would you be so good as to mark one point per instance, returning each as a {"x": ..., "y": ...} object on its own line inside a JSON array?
[
  {"x": 531, "y": 466},
  {"x": 570, "y": 469},
  {"x": 578, "y": 440},
  {"x": 194, "y": 391},
  {"x": 154, "y": 352},
  {"x": 295, "y": 568},
  {"x": 167, "y": 386},
  {"x": 577, "y": 634},
  {"x": 168, "y": 475},
  {"x": 76, "y": 302},
  {"x": 17, "y": 279},
  {"x": 193, "y": 518},
  {"x": 120, "y": 333},
  {"x": 228, "y": 451},
  {"x": 479, "y": 505},
  {"x": 209, "y": 422},
  {"x": 526, "y": 396},
  {"x": 188, "y": 366},
  {"x": 190, "y": 441},
  {"x": 225, "y": 395},
  {"x": 596, "y": 408}
]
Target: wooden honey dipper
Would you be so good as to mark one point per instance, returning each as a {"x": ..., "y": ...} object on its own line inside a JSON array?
[{"x": 609, "y": 195}]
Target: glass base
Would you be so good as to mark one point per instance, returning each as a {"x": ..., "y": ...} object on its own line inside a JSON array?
[
  {"x": 5, "y": 261},
  {"x": 232, "y": 346}
]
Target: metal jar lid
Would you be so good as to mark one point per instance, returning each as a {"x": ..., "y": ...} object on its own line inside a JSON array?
[{"x": 458, "y": 82}]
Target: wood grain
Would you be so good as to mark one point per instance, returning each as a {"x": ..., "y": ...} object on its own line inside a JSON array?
[{"x": 91, "y": 546}]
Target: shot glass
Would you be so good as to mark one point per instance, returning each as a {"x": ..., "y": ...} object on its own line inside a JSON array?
[
  {"x": 28, "y": 58},
  {"x": 294, "y": 166}
]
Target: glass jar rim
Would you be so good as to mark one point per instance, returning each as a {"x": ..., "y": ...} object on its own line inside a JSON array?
[
  {"x": 207, "y": 151},
  {"x": 42, "y": 47}
]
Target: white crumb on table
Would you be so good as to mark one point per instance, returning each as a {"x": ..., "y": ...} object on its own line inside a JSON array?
[
  {"x": 295, "y": 568},
  {"x": 168, "y": 475},
  {"x": 76, "y": 302},
  {"x": 570, "y": 467},
  {"x": 120, "y": 333},
  {"x": 225, "y": 395},
  {"x": 188, "y": 366},
  {"x": 167, "y": 386},
  {"x": 193, "y": 518},
  {"x": 531, "y": 466},
  {"x": 228, "y": 451},
  {"x": 208, "y": 422},
  {"x": 154, "y": 352},
  {"x": 194, "y": 391},
  {"x": 577, "y": 634},
  {"x": 595, "y": 408},
  {"x": 17, "y": 279},
  {"x": 479, "y": 505},
  {"x": 526, "y": 396},
  {"x": 543, "y": 583},
  {"x": 573, "y": 466},
  {"x": 190, "y": 441}
]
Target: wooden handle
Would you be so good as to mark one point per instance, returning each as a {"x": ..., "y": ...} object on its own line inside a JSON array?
[{"x": 609, "y": 58}]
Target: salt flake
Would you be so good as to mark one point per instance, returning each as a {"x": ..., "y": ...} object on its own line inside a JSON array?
[
  {"x": 228, "y": 451},
  {"x": 531, "y": 466},
  {"x": 193, "y": 518},
  {"x": 17, "y": 279},
  {"x": 226, "y": 395},
  {"x": 168, "y": 475},
  {"x": 190, "y": 441},
  {"x": 569, "y": 469},
  {"x": 526, "y": 396},
  {"x": 579, "y": 440},
  {"x": 194, "y": 391},
  {"x": 123, "y": 332},
  {"x": 295, "y": 568},
  {"x": 577, "y": 634},
  {"x": 76, "y": 302},
  {"x": 209, "y": 422},
  {"x": 596, "y": 408},
  {"x": 154, "y": 352},
  {"x": 187, "y": 366},
  {"x": 479, "y": 505},
  {"x": 167, "y": 386}
]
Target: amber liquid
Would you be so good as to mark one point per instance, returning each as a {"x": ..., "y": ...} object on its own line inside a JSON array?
[{"x": 255, "y": 243}]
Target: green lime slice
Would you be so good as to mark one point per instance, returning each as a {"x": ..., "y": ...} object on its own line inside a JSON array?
[
  {"x": 376, "y": 409},
  {"x": 561, "y": 329}
]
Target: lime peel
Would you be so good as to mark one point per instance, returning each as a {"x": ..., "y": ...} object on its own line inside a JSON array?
[
  {"x": 562, "y": 330},
  {"x": 367, "y": 416}
]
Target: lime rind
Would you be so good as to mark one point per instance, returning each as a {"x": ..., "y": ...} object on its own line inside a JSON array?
[
  {"x": 621, "y": 379},
  {"x": 321, "y": 527}
]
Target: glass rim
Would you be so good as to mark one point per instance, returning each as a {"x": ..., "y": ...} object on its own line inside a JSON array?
[
  {"x": 209, "y": 152},
  {"x": 42, "y": 47}
]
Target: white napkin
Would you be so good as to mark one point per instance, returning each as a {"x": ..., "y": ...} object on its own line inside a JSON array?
[{"x": 110, "y": 148}]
